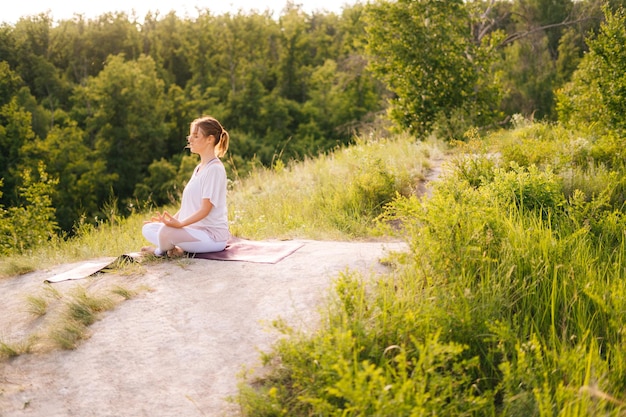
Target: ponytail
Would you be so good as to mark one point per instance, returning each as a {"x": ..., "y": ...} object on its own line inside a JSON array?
[{"x": 221, "y": 145}]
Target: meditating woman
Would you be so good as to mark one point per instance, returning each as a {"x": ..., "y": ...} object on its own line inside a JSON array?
[{"x": 201, "y": 223}]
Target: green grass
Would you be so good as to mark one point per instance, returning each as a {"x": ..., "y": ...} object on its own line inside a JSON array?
[
  {"x": 11, "y": 350},
  {"x": 511, "y": 301},
  {"x": 37, "y": 306},
  {"x": 333, "y": 196},
  {"x": 80, "y": 310},
  {"x": 90, "y": 242}
]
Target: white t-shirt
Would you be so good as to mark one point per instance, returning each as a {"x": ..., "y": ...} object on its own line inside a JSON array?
[{"x": 209, "y": 183}]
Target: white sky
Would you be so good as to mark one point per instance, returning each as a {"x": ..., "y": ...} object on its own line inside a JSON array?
[{"x": 12, "y": 10}]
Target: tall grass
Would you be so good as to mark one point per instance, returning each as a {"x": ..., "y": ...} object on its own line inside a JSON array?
[
  {"x": 334, "y": 196},
  {"x": 510, "y": 302}
]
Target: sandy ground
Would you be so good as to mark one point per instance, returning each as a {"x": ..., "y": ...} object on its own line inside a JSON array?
[{"x": 179, "y": 347}]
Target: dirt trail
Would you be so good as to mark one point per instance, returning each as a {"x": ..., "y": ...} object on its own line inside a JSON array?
[{"x": 178, "y": 349}]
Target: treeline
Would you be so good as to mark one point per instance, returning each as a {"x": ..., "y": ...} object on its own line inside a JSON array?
[
  {"x": 106, "y": 103},
  {"x": 95, "y": 111}
]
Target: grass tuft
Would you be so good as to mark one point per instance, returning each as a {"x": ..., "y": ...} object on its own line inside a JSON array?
[
  {"x": 7, "y": 350},
  {"x": 69, "y": 334},
  {"x": 11, "y": 350},
  {"x": 37, "y": 306},
  {"x": 81, "y": 311},
  {"x": 124, "y": 292},
  {"x": 84, "y": 308}
]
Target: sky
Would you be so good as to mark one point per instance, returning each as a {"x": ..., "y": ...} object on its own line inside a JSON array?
[{"x": 13, "y": 10}]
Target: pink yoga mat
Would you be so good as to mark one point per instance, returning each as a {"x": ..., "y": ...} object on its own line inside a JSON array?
[
  {"x": 237, "y": 249},
  {"x": 265, "y": 251}
]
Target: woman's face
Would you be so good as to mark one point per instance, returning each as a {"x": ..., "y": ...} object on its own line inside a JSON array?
[{"x": 195, "y": 139}]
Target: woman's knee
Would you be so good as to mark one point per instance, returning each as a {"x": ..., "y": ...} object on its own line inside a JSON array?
[
  {"x": 167, "y": 233},
  {"x": 150, "y": 230}
]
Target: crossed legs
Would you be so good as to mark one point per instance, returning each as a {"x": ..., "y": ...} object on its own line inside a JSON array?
[{"x": 187, "y": 239}]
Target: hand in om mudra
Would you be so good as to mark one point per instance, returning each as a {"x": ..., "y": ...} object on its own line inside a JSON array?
[{"x": 165, "y": 218}]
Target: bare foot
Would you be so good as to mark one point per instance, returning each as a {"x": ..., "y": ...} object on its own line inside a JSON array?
[
  {"x": 148, "y": 250},
  {"x": 176, "y": 252}
]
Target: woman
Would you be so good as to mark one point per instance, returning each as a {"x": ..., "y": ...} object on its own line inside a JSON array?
[{"x": 201, "y": 223}]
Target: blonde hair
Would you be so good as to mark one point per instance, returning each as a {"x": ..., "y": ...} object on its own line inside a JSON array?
[{"x": 210, "y": 126}]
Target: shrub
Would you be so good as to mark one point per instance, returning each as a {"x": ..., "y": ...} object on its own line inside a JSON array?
[
  {"x": 528, "y": 188},
  {"x": 31, "y": 224},
  {"x": 541, "y": 144},
  {"x": 362, "y": 194},
  {"x": 609, "y": 150},
  {"x": 596, "y": 96}
]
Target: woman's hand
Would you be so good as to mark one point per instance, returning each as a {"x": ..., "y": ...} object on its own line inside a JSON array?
[
  {"x": 167, "y": 219},
  {"x": 171, "y": 221}
]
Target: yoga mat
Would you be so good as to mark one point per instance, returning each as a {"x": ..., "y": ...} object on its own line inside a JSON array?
[
  {"x": 264, "y": 251},
  {"x": 89, "y": 268},
  {"x": 83, "y": 270},
  {"x": 237, "y": 249}
]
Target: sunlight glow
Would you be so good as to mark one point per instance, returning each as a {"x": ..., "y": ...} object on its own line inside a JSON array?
[{"x": 64, "y": 9}]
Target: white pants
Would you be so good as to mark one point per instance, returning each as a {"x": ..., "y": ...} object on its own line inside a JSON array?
[{"x": 187, "y": 238}]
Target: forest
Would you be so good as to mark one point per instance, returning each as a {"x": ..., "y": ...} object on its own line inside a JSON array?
[{"x": 94, "y": 112}]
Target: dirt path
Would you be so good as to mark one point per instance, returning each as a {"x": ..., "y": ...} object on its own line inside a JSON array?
[{"x": 178, "y": 348}]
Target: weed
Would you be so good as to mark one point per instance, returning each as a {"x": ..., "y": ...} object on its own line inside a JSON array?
[
  {"x": 8, "y": 350},
  {"x": 84, "y": 308}
]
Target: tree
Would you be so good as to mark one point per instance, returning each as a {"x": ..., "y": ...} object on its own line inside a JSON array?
[
  {"x": 597, "y": 93},
  {"x": 528, "y": 75},
  {"x": 46, "y": 88},
  {"x": 294, "y": 57},
  {"x": 546, "y": 14},
  {"x": 10, "y": 83},
  {"x": 125, "y": 118},
  {"x": 15, "y": 130},
  {"x": 30, "y": 223},
  {"x": 83, "y": 183},
  {"x": 160, "y": 186},
  {"x": 423, "y": 51},
  {"x": 166, "y": 40}
]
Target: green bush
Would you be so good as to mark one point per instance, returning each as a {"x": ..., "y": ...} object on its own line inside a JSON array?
[
  {"x": 31, "y": 224},
  {"x": 528, "y": 188},
  {"x": 361, "y": 194},
  {"x": 160, "y": 185},
  {"x": 540, "y": 144},
  {"x": 609, "y": 150},
  {"x": 595, "y": 99}
]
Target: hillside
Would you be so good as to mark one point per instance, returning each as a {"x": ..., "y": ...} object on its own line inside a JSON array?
[{"x": 178, "y": 333}]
